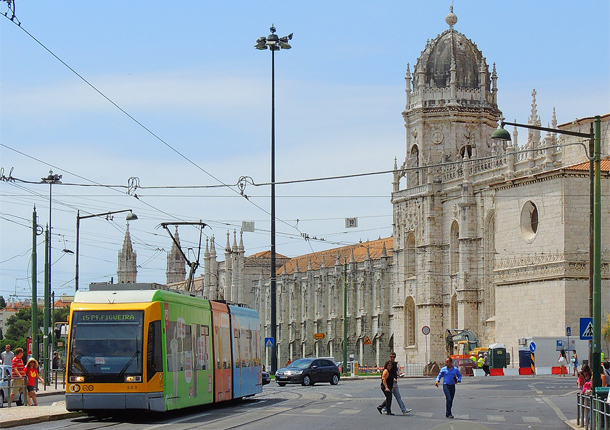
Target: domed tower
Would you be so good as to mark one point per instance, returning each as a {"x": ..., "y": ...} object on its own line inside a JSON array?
[{"x": 451, "y": 107}]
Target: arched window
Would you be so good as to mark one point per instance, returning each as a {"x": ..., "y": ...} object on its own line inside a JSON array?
[
  {"x": 413, "y": 162},
  {"x": 410, "y": 259},
  {"x": 466, "y": 149},
  {"x": 410, "y": 322},
  {"x": 454, "y": 248},
  {"x": 454, "y": 312}
]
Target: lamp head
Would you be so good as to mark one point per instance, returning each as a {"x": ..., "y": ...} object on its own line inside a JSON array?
[
  {"x": 501, "y": 134},
  {"x": 261, "y": 43},
  {"x": 131, "y": 216}
]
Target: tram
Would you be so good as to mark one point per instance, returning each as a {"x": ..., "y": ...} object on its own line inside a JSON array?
[{"x": 141, "y": 346}]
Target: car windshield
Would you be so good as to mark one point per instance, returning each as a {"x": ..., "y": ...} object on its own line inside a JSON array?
[{"x": 302, "y": 363}]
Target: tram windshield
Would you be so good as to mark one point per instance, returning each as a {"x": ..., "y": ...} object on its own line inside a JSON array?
[{"x": 106, "y": 346}]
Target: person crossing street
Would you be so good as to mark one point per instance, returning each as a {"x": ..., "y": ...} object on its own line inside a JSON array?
[
  {"x": 395, "y": 389},
  {"x": 451, "y": 375}
]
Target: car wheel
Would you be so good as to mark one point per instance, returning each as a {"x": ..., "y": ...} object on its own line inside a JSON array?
[
  {"x": 281, "y": 384},
  {"x": 307, "y": 380},
  {"x": 334, "y": 380}
]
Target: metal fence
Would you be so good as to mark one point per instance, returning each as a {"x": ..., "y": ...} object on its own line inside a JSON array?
[
  {"x": 409, "y": 369},
  {"x": 592, "y": 412}
]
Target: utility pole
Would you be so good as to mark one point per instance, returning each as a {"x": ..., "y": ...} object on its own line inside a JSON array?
[
  {"x": 34, "y": 288},
  {"x": 345, "y": 316},
  {"x": 46, "y": 317}
]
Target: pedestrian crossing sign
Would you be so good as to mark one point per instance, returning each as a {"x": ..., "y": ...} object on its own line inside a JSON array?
[
  {"x": 586, "y": 328},
  {"x": 269, "y": 342}
]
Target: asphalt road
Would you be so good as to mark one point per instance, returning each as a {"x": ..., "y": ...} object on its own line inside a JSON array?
[{"x": 541, "y": 402}]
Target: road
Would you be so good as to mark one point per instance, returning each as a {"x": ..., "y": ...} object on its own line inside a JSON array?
[{"x": 543, "y": 402}]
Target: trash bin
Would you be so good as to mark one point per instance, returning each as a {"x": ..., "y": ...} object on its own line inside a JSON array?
[
  {"x": 602, "y": 392},
  {"x": 497, "y": 356}
]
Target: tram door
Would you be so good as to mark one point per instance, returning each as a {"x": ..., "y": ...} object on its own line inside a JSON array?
[{"x": 222, "y": 352}]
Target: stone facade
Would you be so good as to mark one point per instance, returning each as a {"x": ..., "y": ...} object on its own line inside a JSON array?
[{"x": 487, "y": 236}]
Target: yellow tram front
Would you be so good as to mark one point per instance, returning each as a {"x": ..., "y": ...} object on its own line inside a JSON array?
[{"x": 115, "y": 355}]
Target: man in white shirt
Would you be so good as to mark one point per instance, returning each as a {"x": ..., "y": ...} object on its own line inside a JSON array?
[{"x": 7, "y": 355}]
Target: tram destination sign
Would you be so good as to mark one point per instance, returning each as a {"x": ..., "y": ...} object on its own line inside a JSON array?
[{"x": 110, "y": 316}]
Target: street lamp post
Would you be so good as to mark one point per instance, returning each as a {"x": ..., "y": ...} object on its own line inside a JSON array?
[
  {"x": 274, "y": 43},
  {"x": 51, "y": 179},
  {"x": 130, "y": 217},
  {"x": 595, "y": 257}
]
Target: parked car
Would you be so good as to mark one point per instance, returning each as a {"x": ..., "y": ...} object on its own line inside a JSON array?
[
  {"x": 308, "y": 371},
  {"x": 339, "y": 364},
  {"x": 5, "y": 395},
  {"x": 266, "y": 377}
]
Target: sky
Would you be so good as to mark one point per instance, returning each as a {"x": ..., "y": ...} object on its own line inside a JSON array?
[{"x": 175, "y": 95}]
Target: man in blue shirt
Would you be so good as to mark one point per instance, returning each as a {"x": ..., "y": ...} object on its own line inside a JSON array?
[{"x": 451, "y": 375}]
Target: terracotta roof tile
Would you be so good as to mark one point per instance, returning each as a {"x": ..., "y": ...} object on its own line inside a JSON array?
[
  {"x": 605, "y": 166},
  {"x": 375, "y": 248}
]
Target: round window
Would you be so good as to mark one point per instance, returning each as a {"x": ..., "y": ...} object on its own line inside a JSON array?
[{"x": 529, "y": 221}]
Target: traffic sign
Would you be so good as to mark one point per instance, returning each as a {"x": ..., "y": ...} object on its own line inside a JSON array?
[
  {"x": 532, "y": 347},
  {"x": 269, "y": 342},
  {"x": 586, "y": 328},
  {"x": 559, "y": 345},
  {"x": 425, "y": 330},
  {"x": 568, "y": 331},
  {"x": 367, "y": 341},
  {"x": 318, "y": 336}
]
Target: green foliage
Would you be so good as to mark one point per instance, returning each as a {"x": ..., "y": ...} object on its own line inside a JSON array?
[
  {"x": 19, "y": 325},
  {"x": 2, "y": 302}
]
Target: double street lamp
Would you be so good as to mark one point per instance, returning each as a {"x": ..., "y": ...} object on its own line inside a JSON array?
[
  {"x": 130, "y": 217},
  {"x": 274, "y": 43},
  {"x": 595, "y": 237}
]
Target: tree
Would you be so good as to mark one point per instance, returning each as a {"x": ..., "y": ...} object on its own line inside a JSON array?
[
  {"x": 19, "y": 325},
  {"x": 2, "y": 302}
]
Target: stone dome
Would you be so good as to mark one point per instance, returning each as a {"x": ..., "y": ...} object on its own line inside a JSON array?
[{"x": 436, "y": 61}]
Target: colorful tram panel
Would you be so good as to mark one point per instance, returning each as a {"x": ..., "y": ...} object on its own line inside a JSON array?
[{"x": 134, "y": 346}]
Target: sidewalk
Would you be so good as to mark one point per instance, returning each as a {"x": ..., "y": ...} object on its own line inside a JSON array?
[{"x": 22, "y": 415}]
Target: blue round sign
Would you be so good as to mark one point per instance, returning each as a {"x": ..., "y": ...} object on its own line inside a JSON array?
[{"x": 532, "y": 347}]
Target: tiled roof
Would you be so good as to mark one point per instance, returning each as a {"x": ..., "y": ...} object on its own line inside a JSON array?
[
  {"x": 604, "y": 165},
  {"x": 266, "y": 254},
  {"x": 375, "y": 249}
]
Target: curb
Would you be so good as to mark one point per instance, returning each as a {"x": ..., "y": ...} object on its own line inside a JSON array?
[{"x": 39, "y": 419}]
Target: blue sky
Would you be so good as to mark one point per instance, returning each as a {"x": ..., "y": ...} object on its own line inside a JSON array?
[{"x": 189, "y": 73}]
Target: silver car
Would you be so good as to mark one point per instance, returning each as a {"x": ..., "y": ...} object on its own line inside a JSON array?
[{"x": 5, "y": 394}]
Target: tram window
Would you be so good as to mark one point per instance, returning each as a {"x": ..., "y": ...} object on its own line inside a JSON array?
[{"x": 154, "y": 358}]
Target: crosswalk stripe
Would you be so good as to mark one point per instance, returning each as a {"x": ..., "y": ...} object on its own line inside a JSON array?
[
  {"x": 531, "y": 419},
  {"x": 495, "y": 418}
]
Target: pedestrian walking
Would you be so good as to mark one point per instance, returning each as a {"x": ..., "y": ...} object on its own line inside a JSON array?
[
  {"x": 7, "y": 356},
  {"x": 395, "y": 389},
  {"x": 574, "y": 361},
  {"x": 386, "y": 387},
  {"x": 31, "y": 372},
  {"x": 451, "y": 375},
  {"x": 18, "y": 370},
  {"x": 563, "y": 362}
]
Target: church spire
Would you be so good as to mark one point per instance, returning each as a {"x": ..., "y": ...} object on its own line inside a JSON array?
[
  {"x": 176, "y": 269},
  {"x": 127, "y": 271}
]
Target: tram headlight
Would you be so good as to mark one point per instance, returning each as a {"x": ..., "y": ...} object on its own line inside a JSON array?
[
  {"x": 135, "y": 378},
  {"x": 77, "y": 379}
]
